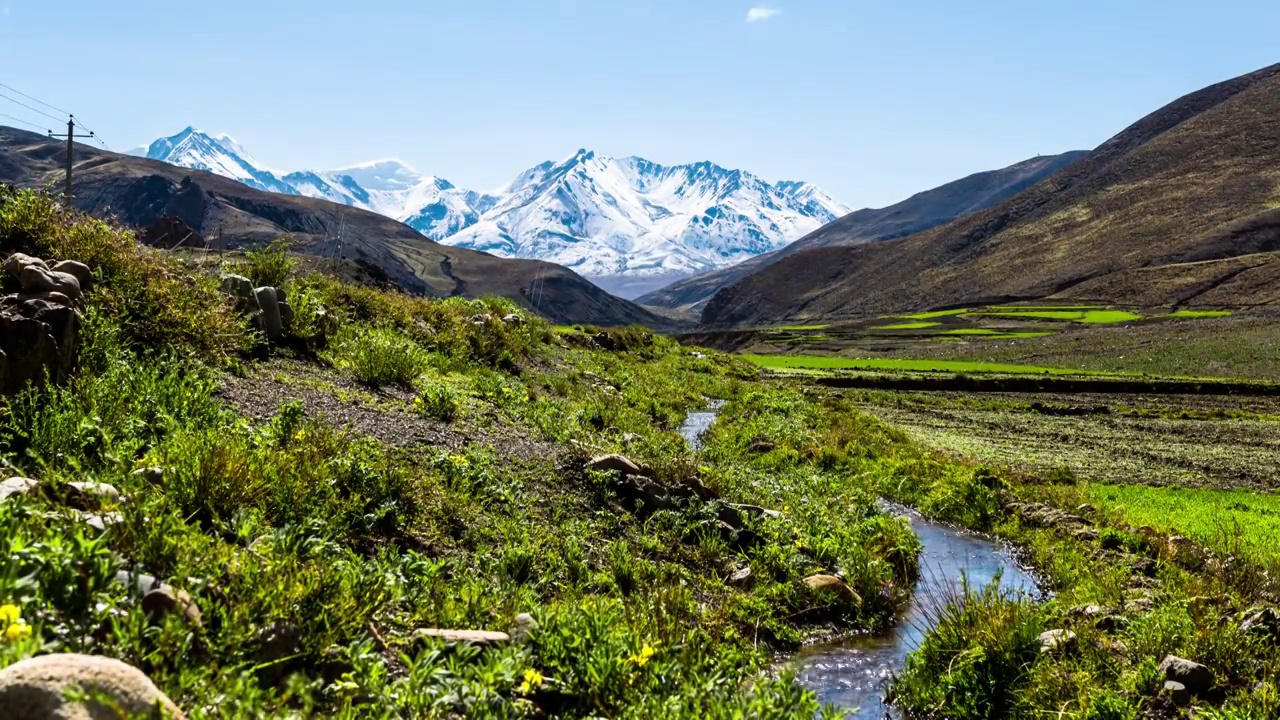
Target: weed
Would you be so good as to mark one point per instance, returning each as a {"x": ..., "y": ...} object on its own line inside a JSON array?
[{"x": 379, "y": 356}]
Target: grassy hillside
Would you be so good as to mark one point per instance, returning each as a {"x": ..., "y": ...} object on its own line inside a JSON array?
[
  {"x": 920, "y": 212},
  {"x": 138, "y": 192},
  {"x": 1178, "y": 208},
  {"x": 327, "y": 509}
]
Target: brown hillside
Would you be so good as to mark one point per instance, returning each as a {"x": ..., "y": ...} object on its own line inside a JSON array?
[
  {"x": 139, "y": 192},
  {"x": 1194, "y": 182},
  {"x": 917, "y": 213}
]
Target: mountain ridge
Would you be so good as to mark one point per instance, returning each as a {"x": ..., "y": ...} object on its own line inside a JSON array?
[
  {"x": 138, "y": 192},
  {"x": 1173, "y": 201},
  {"x": 598, "y": 215},
  {"x": 919, "y": 212}
]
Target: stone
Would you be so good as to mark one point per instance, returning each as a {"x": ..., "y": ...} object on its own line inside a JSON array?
[
  {"x": 165, "y": 600},
  {"x": 523, "y": 626},
  {"x": 833, "y": 586},
  {"x": 1197, "y": 678},
  {"x": 1262, "y": 621},
  {"x": 153, "y": 474},
  {"x": 1057, "y": 641},
  {"x": 474, "y": 637},
  {"x": 761, "y": 446},
  {"x": 238, "y": 287},
  {"x": 36, "y": 689},
  {"x": 17, "y": 262},
  {"x": 78, "y": 270},
  {"x": 1185, "y": 552},
  {"x": 35, "y": 279},
  {"x": 31, "y": 353},
  {"x": 1145, "y": 566},
  {"x": 1177, "y": 692},
  {"x": 741, "y": 578},
  {"x": 481, "y": 319},
  {"x": 513, "y": 319},
  {"x": 17, "y": 486},
  {"x": 1087, "y": 535},
  {"x": 160, "y": 599},
  {"x": 270, "y": 306},
  {"x": 286, "y": 314},
  {"x": 1138, "y": 606},
  {"x": 103, "y": 492},
  {"x": 103, "y": 521},
  {"x": 614, "y": 464},
  {"x": 1086, "y": 510}
]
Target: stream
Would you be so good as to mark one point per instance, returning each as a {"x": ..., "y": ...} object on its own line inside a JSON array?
[{"x": 854, "y": 674}]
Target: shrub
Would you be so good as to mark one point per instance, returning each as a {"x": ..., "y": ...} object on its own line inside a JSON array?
[
  {"x": 159, "y": 304},
  {"x": 379, "y": 356},
  {"x": 975, "y": 661},
  {"x": 270, "y": 265},
  {"x": 437, "y": 401}
]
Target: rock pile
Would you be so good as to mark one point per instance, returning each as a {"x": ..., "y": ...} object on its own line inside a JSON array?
[
  {"x": 266, "y": 306},
  {"x": 39, "y": 323}
]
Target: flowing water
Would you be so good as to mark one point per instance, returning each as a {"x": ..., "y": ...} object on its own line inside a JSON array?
[
  {"x": 856, "y": 673},
  {"x": 696, "y": 423}
]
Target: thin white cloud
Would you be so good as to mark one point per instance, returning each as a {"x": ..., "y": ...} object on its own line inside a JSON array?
[{"x": 760, "y": 14}]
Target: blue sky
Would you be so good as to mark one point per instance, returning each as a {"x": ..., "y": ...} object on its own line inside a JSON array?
[{"x": 873, "y": 100}]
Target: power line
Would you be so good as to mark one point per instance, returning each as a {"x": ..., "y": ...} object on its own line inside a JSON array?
[
  {"x": 55, "y": 108},
  {"x": 38, "y": 100},
  {"x": 24, "y": 122},
  {"x": 34, "y": 110}
]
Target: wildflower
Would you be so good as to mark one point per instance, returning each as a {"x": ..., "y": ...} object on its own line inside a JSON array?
[
  {"x": 642, "y": 658},
  {"x": 14, "y": 627},
  {"x": 532, "y": 679},
  {"x": 300, "y": 436}
]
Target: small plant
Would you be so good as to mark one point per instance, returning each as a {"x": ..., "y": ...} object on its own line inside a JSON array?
[
  {"x": 379, "y": 356},
  {"x": 269, "y": 266},
  {"x": 437, "y": 401}
]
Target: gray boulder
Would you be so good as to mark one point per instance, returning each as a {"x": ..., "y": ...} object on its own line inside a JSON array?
[
  {"x": 616, "y": 464},
  {"x": 238, "y": 287},
  {"x": 36, "y": 279},
  {"x": 1057, "y": 641},
  {"x": 17, "y": 486},
  {"x": 270, "y": 304},
  {"x": 17, "y": 262},
  {"x": 37, "y": 688},
  {"x": 78, "y": 270},
  {"x": 1197, "y": 678}
]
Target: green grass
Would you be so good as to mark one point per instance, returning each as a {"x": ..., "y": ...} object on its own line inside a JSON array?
[
  {"x": 907, "y": 326},
  {"x": 986, "y": 332},
  {"x": 818, "y": 362},
  {"x": 1192, "y": 314},
  {"x": 934, "y": 314},
  {"x": 1093, "y": 317},
  {"x": 1218, "y": 518},
  {"x": 798, "y": 328}
]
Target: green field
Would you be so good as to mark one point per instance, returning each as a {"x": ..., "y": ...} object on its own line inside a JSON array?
[
  {"x": 934, "y": 314},
  {"x": 798, "y": 328},
  {"x": 908, "y": 326},
  {"x": 1095, "y": 317},
  {"x": 819, "y": 362},
  {"x": 986, "y": 332},
  {"x": 1192, "y": 314},
  {"x": 1217, "y": 518}
]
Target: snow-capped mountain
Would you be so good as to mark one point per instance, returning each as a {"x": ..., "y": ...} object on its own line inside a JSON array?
[{"x": 600, "y": 216}]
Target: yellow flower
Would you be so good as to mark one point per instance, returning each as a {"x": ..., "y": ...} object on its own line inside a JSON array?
[
  {"x": 532, "y": 679},
  {"x": 14, "y": 627},
  {"x": 300, "y": 436},
  {"x": 642, "y": 658}
]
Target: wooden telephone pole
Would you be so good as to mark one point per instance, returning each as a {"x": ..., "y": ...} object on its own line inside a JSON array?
[{"x": 71, "y": 136}]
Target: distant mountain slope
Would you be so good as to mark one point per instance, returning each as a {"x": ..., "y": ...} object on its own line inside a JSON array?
[
  {"x": 605, "y": 217},
  {"x": 139, "y": 191},
  {"x": 919, "y": 212},
  {"x": 1176, "y": 196}
]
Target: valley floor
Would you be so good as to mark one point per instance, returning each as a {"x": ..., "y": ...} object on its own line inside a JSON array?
[{"x": 408, "y": 508}]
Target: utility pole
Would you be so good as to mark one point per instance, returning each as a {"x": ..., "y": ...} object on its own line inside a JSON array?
[{"x": 71, "y": 136}]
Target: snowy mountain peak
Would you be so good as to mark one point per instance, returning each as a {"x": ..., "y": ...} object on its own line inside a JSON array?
[{"x": 598, "y": 215}]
